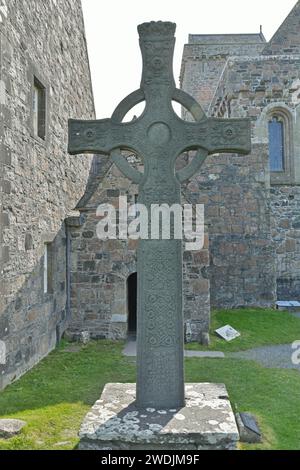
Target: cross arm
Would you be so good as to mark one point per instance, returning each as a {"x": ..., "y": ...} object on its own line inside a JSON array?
[
  {"x": 219, "y": 135},
  {"x": 100, "y": 136},
  {"x": 229, "y": 136}
]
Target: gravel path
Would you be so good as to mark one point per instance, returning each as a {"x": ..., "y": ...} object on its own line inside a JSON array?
[
  {"x": 130, "y": 351},
  {"x": 279, "y": 356}
]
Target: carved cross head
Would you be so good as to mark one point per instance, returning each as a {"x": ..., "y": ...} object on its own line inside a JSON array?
[{"x": 159, "y": 133}]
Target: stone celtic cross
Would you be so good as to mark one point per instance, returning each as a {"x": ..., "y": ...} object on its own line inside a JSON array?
[{"x": 159, "y": 136}]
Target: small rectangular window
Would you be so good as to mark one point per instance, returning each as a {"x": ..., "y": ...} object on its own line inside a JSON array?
[
  {"x": 48, "y": 268},
  {"x": 39, "y": 109},
  {"x": 276, "y": 143}
]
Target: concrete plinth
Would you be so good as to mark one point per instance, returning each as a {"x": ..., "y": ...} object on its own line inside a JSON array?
[{"x": 206, "y": 422}]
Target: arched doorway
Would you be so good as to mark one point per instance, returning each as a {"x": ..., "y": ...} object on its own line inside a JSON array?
[{"x": 132, "y": 304}]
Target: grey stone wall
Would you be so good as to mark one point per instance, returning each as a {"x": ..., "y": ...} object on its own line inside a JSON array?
[
  {"x": 253, "y": 242},
  {"x": 285, "y": 204},
  {"x": 100, "y": 269},
  {"x": 258, "y": 87},
  {"x": 237, "y": 212},
  {"x": 41, "y": 183},
  {"x": 205, "y": 57},
  {"x": 252, "y": 213}
]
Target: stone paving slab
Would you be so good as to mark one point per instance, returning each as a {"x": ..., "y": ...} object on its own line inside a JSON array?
[
  {"x": 275, "y": 356},
  {"x": 130, "y": 351},
  {"x": 205, "y": 354},
  {"x": 289, "y": 304}
]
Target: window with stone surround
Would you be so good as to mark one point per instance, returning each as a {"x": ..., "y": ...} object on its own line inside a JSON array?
[
  {"x": 276, "y": 143},
  {"x": 39, "y": 109},
  {"x": 280, "y": 126}
]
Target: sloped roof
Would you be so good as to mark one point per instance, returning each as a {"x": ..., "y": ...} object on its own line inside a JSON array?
[
  {"x": 101, "y": 166},
  {"x": 286, "y": 40}
]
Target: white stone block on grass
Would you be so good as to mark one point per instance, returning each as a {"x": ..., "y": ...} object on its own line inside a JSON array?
[{"x": 228, "y": 333}]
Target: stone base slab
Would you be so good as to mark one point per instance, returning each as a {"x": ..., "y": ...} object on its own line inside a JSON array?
[{"x": 207, "y": 422}]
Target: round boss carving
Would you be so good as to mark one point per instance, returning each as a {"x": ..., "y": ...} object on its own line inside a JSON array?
[
  {"x": 229, "y": 133},
  {"x": 157, "y": 63},
  {"x": 90, "y": 134}
]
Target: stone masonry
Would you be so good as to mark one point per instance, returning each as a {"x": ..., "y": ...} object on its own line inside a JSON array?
[
  {"x": 251, "y": 255},
  {"x": 252, "y": 213},
  {"x": 100, "y": 269},
  {"x": 206, "y": 422},
  {"x": 40, "y": 182}
]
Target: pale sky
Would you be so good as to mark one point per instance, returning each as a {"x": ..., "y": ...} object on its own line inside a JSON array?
[{"x": 111, "y": 30}]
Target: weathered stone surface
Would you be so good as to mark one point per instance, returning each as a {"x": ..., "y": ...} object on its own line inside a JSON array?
[
  {"x": 158, "y": 136},
  {"x": 83, "y": 337},
  {"x": 10, "y": 427},
  {"x": 111, "y": 286},
  {"x": 204, "y": 59},
  {"x": 250, "y": 226},
  {"x": 40, "y": 183},
  {"x": 206, "y": 422},
  {"x": 285, "y": 206},
  {"x": 254, "y": 231},
  {"x": 252, "y": 213},
  {"x": 246, "y": 434}
]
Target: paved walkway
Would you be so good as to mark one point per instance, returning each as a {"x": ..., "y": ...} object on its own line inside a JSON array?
[
  {"x": 130, "y": 351},
  {"x": 278, "y": 356}
]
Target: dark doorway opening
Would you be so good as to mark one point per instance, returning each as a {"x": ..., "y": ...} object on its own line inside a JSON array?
[{"x": 132, "y": 304}]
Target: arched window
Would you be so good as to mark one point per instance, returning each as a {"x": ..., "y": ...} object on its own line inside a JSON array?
[
  {"x": 277, "y": 143},
  {"x": 280, "y": 126}
]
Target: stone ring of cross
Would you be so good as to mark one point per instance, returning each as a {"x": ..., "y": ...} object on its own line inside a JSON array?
[
  {"x": 159, "y": 136},
  {"x": 137, "y": 97}
]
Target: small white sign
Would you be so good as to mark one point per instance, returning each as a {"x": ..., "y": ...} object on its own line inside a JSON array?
[
  {"x": 228, "y": 333},
  {"x": 287, "y": 304},
  {"x": 2, "y": 353}
]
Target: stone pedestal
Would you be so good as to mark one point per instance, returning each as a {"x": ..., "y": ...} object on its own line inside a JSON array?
[{"x": 207, "y": 422}]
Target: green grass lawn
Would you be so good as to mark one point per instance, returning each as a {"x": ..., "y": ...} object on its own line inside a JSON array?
[
  {"x": 258, "y": 327},
  {"x": 54, "y": 397}
]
